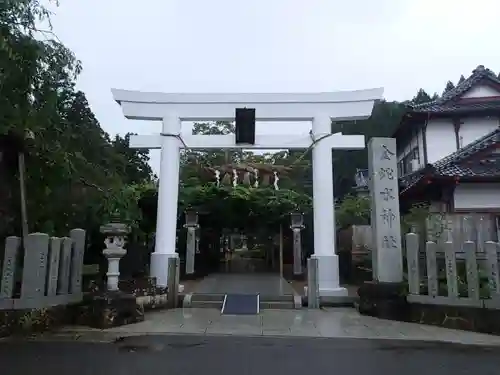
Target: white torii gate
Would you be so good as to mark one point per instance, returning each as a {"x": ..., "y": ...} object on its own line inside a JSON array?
[{"x": 318, "y": 108}]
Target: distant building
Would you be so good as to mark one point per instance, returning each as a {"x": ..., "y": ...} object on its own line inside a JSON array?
[{"x": 449, "y": 149}]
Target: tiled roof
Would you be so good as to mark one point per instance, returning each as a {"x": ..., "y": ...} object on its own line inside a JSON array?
[
  {"x": 458, "y": 107},
  {"x": 453, "y": 165},
  {"x": 445, "y": 102}
]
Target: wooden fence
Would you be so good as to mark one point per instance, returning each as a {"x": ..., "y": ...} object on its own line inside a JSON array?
[
  {"x": 464, "y": 276},
  {"x": 48, "y": 274}
]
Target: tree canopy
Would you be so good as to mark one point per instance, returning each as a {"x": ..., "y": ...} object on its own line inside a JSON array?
[{"x": 75, "y": 171}]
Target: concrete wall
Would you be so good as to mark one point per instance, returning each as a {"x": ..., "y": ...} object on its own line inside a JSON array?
[{"x": 477, "y": 196}]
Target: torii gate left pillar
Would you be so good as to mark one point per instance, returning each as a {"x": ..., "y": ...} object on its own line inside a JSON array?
[{"x": 320, "y": 109}]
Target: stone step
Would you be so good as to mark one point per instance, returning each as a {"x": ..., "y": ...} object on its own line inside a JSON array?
[
  {"x": 277, "y": 305},
  {"x": 206, "y": 300},
  {"x": 206, "y": 305},
  {"x": 262, "y": 305},
  {"x": 207, "y": 297}
]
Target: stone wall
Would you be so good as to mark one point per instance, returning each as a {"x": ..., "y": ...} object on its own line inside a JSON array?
[
  {"x": 147, "y": 293},
  {"x": 28, "y": 321},
  {"x": 392, "y": 304}
]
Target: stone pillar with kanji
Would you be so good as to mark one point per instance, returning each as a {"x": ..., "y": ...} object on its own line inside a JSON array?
[
  {"x": 387, "y": 255},
  {"x": 384, "y": 295}
]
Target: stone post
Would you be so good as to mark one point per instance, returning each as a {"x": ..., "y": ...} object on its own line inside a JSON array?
[
  {"x": 387, "y": 255},
  {"x": 191, "y": 226},
  {"x": 384, "y": 297},
  {"x": 313, "y": 298},
  {"x": 297, "y": 226},
  {"x": 115, "y": 240}
]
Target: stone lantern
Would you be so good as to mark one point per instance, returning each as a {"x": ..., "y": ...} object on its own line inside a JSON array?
[
  {"x": 115, "y": 240},
  {"x": 112, "y": 307},
  {"x": 191, "y": 225},
  {"x": 297, "y": 224}
]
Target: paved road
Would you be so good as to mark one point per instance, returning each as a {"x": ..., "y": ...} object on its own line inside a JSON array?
[{"x": 191, "y": 354}]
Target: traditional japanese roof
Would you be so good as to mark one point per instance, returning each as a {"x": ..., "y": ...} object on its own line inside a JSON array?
[
  {"x": 447, "y": 102},
  {"x": 452, "y": 102},
  {"x": 478, "y": 160}
]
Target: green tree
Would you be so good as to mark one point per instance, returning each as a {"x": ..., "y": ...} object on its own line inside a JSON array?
[
  {"x": 421, "y": 97},
  {"x": 134, "y": 164},
  {"x": 449, "y": 86},
  {"x": 385, "y": 118},
  {"x": 73, "y": 169},
  {"x": 353, "y": 210}
]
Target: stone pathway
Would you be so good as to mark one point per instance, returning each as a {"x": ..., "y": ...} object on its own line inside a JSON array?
[{"x": 331, "y": 322}]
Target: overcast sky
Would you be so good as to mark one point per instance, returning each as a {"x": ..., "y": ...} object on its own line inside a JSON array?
[{"x": 272, "y": 46}]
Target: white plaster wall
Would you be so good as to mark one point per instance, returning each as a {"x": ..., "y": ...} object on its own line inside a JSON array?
[
  {"x": 476, "y": 196},
  {"x": 420, "y": 137},
  {"x": 441, "y": 141},
  {"x": 481, "y": 92},
  {"x": 472, "y": 129}
]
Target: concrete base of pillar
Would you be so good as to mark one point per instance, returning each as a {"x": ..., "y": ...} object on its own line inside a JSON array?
[
  {"x": 328, "y": 276},
  {"x": 159, "y": 267}
]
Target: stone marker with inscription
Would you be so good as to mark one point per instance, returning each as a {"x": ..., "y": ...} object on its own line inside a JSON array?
[
  {"x": 387, "y": 254},
  {"x": 76, "y": 268},
  {"x": 12, "y": 246},
  {"x": 35, "y": 266},
  {"x": 384, "y": 293},
  {"x": 9, "y": 266},
  {"x": 54, "y": 255},
  {"x": 64, "y": 266}
]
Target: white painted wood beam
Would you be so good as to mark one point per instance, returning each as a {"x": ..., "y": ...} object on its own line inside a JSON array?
[
  {"x": 239, "y": 98},
  {"x": 263, "y": 142},
  {"x": 353, "y": 105}
]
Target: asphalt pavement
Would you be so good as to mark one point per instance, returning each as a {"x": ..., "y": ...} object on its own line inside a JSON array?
[{"x": 230, "y": 355}]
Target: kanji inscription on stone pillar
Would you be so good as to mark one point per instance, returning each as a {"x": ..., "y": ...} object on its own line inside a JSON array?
[{"x": 385, "y": 217}]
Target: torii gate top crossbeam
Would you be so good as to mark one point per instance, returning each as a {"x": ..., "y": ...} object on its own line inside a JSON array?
[{"x": 340, "y": 105}]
